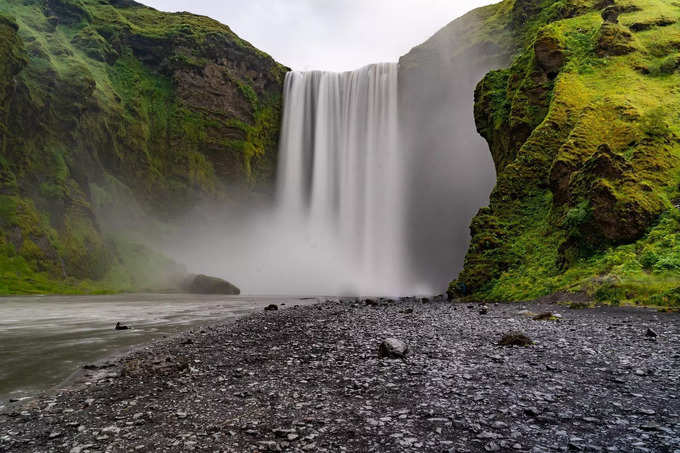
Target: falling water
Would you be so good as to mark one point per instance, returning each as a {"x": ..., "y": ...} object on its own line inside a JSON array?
[{"x": 341, "y": 176}]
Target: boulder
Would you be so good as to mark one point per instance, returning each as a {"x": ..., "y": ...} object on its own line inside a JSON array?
[
  {"x": 271, "y": 307},
  {"x": 392, "y": 348},
  {"x": 515, "y": 339},
  {"x": 203, "y": 284}
]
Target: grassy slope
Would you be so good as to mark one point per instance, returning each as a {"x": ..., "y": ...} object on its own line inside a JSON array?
[
  {"x": 584, "y": 130},
  {"x": 94, "y": 92}
]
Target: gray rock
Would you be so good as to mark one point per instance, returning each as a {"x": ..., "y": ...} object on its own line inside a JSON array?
[
  {"x": 532, "y": 411},
  {"x": 392, "y": 348}
]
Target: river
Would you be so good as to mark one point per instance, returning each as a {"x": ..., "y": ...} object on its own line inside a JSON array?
[{"x": 43, "y": 340}]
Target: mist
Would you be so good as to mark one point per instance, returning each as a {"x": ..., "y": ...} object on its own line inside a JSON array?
[
  {"x": 451, "y": 171},
  {"x": 381, "y": 171}
]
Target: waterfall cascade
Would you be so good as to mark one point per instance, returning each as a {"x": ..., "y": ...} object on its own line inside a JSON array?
[{"x": 341, "y": 176}]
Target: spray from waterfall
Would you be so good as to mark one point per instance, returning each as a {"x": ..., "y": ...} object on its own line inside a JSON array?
[
  {"x": 337, "y": 225},
  {"x": 380, "y": 172}
]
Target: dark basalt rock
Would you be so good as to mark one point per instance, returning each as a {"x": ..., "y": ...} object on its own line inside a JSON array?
[
  {"x": 203, "y": 284},
  {"x": 392, "y": 348},
  {"x": 515, "y": 339},
  {"x": 271, "y": 307}
]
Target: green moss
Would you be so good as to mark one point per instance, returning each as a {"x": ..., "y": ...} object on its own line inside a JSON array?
[
  {"x": 92, "y": 90},
  {"x": 94, "y": 45},
  {"x": 587, "y": 159}
]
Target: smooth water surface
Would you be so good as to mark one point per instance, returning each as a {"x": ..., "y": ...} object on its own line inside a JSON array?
[{"x": 43, "y": 340}]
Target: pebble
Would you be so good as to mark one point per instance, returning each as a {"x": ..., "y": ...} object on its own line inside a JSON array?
[{"x": 309, "y": 380}]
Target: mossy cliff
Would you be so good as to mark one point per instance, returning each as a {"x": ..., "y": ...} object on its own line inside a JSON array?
[
  {"x": 102, "y": 97},
  {"x": 584, "y": 129}
]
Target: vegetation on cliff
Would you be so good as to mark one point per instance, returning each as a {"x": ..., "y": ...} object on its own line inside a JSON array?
[
  {"x": 584, "y": 128},
  {"x": 98, "y": 95}
]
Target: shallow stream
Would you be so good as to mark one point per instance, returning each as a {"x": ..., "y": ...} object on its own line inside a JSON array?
[{"x": 43, "y": 340}]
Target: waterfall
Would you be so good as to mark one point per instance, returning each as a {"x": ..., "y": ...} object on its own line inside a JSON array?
[{"x": 340, "y": 178}]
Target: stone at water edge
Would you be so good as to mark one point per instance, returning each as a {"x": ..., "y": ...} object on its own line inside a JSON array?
[
  {"x": 392, "y": 348},
  {"x": 271, "y": 307}
]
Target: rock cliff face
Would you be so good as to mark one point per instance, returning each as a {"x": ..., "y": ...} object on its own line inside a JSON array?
[
  {"x": 101, "y": 98},
  {"x": 583, "y": 129}
]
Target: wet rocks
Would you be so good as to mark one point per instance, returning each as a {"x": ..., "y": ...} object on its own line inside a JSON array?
[
  {"x": 392, "y": 348},
  {"x": 515, "y": 339},
  {"x": 309, "y": 379},
  {"x": 271, "y": 307}
]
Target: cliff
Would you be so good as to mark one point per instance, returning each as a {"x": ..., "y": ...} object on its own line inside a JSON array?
[
  {"x": 583, "y": 128},
  {"x": 450, "y": 171},
  {"x": 100, "y": 99}
]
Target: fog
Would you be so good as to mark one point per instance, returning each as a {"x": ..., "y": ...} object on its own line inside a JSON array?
[
  {"x": 376, "y": 210},
  {"x": 451, "y": 172}
]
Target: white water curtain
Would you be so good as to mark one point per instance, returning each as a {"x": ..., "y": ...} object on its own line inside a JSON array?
[{"x": 341, "y": 173}]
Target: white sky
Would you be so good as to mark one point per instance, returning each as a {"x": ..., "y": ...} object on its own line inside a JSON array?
[{"x": 334, "y": 35}]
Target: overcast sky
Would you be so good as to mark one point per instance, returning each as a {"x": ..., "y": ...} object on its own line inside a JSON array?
[{"x": 334, "y": 35}]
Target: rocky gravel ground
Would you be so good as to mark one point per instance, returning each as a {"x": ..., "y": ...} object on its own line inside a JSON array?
[{"x": 312, "y": 379}]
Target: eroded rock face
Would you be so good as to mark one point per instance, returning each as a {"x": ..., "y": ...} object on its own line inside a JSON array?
[
  {"x": 614, "y": 40},
  {"x": 550, "y": 54}
]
